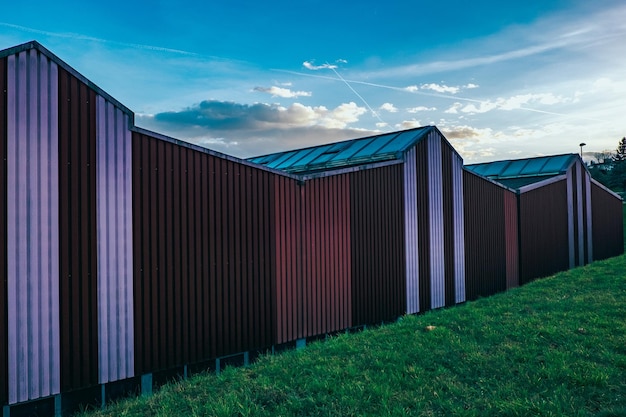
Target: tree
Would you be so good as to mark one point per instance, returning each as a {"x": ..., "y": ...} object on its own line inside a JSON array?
[{"x": 620, "y": 152}]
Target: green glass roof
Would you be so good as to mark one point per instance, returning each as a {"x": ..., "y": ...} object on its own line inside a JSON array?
[
  {"x": 348, "y": 153},
  {"x": 519, "y": 172}
]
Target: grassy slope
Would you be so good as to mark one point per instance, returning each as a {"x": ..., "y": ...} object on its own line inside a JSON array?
[{"x": 555, "y": 347}]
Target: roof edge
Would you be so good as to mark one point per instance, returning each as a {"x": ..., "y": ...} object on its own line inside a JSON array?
[
  {"x": 543, "y": 183},
  {"x": 27, "y": 46}
]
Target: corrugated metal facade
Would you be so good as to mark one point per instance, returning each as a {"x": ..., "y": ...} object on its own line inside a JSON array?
[
  {"x": 4, "y": 394},
  {"x": 491, "y": 262},
  {"x": 32, "y": 227},
  {"x": 543, "y": 230},
  {"x": 377, "y": 244},
  {"x": 123, "y": 252},
  {"x": 434, "y": 225},
  {"x": 608, "y": 235},
  {"x": 203, "y": 255},
  {"x": 326, "y": 271},
  {"x": 114, "y": 250},
  {"x": 78, "y": 261}
]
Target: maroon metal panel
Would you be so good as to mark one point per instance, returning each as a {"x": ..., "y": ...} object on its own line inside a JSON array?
[
  {"x": 3, "y": 236},
  {"x": 607, "y": 222},
  {"x": 377, "y": 244},
  {"x": 486, "y": 237},
  {"x": 198, "y": 255},
  {"x": 543, "y": 231},
  {"x": 325, "y": 264},
  {"x": 77, "y": 217}
]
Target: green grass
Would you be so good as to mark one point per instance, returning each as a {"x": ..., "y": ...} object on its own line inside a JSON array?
[{"x": 555, "y": 347}]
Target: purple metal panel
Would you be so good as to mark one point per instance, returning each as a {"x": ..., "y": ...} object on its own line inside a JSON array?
[
  {"x": 544, "y": 231},
  {"x": 32, "y": 232},
  {"x": 78, "y": 231},
  {"x": 571, "y": 224},
  {"x": 580, "y": 213},
  {"x": 4, "y": 383},
  {"x": 449, "y": 289},
  {"x": 411, "y": 233},
  {"x": 436, "y": 222},
  {"x": 607, "y": 219},
  {"x": 459, "y": 228},
  {"x": 114, "y": 217}
]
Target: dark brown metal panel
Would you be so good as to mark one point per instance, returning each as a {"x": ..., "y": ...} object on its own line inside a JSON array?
[
  {"x": 377, "y": 245},
  {"x": 607, "y": 223},
  {"x": 511, "y": 239},
  {"x": 448, "y": 224},
  {"x": 77, "y": 217},
  {"x": 423, "y": 228},
  {"x": 543, "y": 231},
  {"x": 3, "y": 236},
  {"x": 574, "y": 220},
  {"x": 486, "y": 237}
]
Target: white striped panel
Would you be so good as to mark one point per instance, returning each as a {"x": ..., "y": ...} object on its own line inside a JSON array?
[
  {"x": 459, "y": 228},
  {"x": 411, "y": 229},
  {"x": 579, "y": 219},
  {"x": 589, "y": 217},
  {"x": 570, "y": 219},
  {"x": 33, "y": 227},
  {"x": 435, "y": 203},
  {"x": 114, "y": 226}
]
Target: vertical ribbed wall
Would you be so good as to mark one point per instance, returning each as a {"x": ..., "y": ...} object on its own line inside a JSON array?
[
  {"x": 377, "y": 244},
  {"x": 543, "y": 231},
  {"x": 485, "y": 236},
  {"x": 78, "y": 233},
  {"x": 511, "y": 241},
  {"x": 411, "y": 233},
  {"x": 3, "y": 234},
  {"x": 326, "y": 278},
  {"x": 458, "y": 210},
  {"x": 436, "y": 223},
  {"x": 608, "y": 234},
  {"x": 115, "y": 256},
  {"x": 203, "y": 248},
  {"x": 288, "y": 287},
  {"x": 32, "y": 227},
  {"x": 588, "y": 218}
]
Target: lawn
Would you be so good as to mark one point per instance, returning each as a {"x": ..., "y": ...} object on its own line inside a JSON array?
[{"x": 554, "y": 347}]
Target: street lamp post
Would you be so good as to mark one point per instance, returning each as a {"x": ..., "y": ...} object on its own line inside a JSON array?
[{"x": 581, "y": 149}]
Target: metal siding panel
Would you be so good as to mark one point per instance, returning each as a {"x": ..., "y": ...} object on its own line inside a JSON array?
[
  {"x": 115, "y": 245},
  {"x": 449, "y": 243},
  {"x": 544, "y": 231},
  {"x": 437, "y": 248},
  {"x": 580, "y": 214},
  {"x": 459, "y": 228},
  {"x": 411, "y": 233},
  {"x": 589, "y": 217},
  {"x": 32, "y": 227},
  {"x": 423, "y": 213},
  {"x": 4, "y": 383},
  {"x": 607, "y": 219},
  {"x": 570, "y": 219},
  {"x": 511, "y": 239}
]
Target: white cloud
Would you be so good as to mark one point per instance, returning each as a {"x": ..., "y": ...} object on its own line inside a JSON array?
[
  {"x": 389, "y": 107},
  {"x": 420, "y": 109},
  {"x": 454, "y": 109},
  {"x": 409, "y": 124},
  {"x": 312, "y": 67},
  {"x": 441, "y": 88},
  {"x": 471, "y": 86},
  {"x": 412, "y": 88},
  {"x": 283, "y": 92},
  {"x": 380, "y": 125}
]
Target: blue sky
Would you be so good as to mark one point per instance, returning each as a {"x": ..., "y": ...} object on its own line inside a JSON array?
[{"x": 501, "y": 80}]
